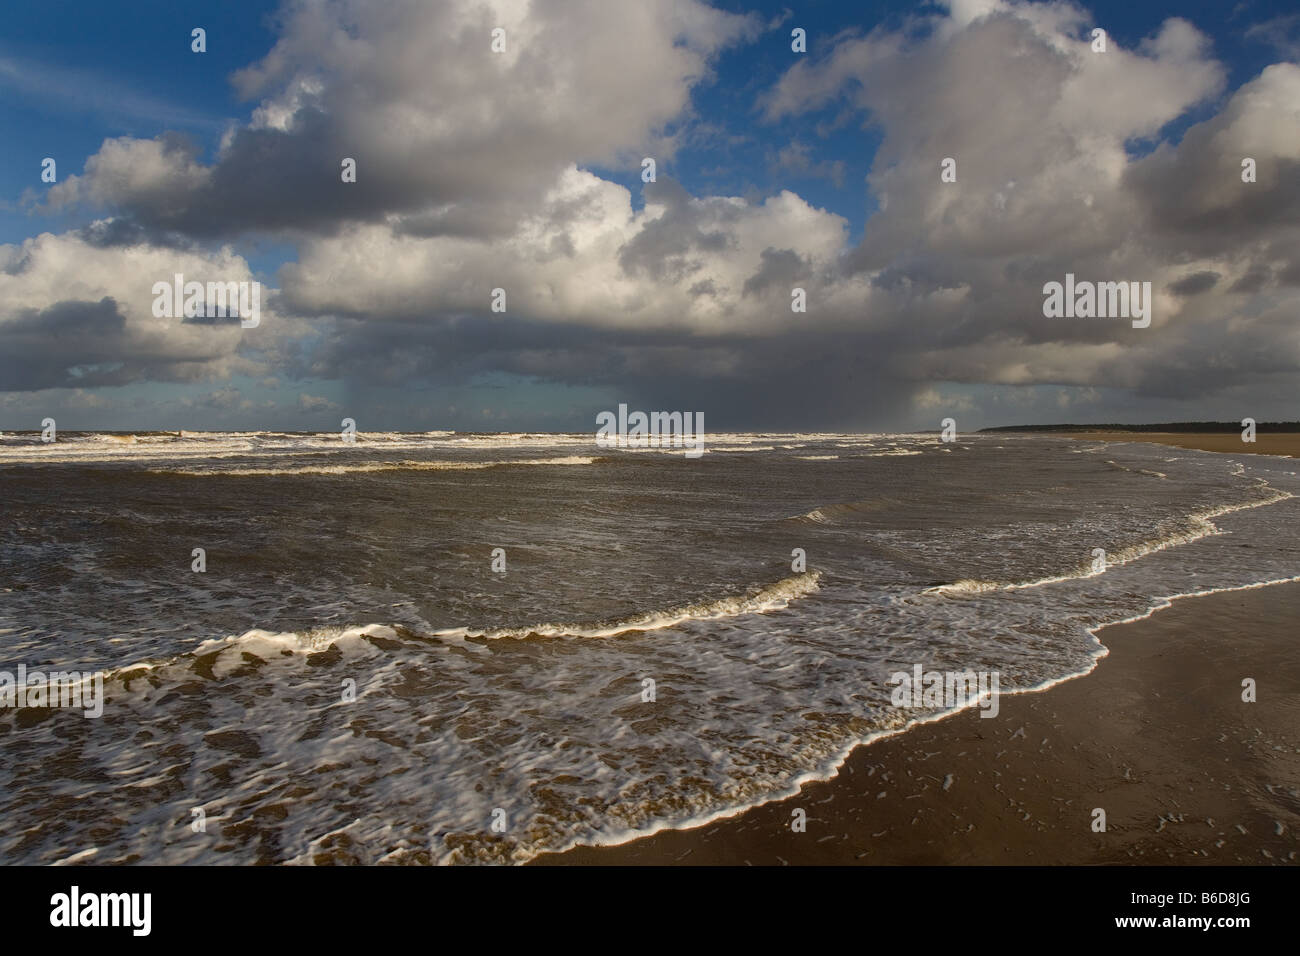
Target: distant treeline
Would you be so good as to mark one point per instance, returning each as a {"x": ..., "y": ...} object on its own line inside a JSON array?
[{"x": 1260, "y": 427}]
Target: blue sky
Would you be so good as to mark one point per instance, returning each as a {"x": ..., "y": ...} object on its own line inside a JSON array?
[{"x": 75, "y": 74}]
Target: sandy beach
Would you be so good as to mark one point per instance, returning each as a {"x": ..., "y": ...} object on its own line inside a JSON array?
[{"x": 1157, "y": 735}]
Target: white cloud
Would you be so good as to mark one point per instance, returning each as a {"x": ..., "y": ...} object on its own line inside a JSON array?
[
  {"x": 471, "y": 177},
  {"x": 77, "y": 312}
]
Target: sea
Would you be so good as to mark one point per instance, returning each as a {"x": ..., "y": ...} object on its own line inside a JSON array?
[{"x": 461, "y": 648}]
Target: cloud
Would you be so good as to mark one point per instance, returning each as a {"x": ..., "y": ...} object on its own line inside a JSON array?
[
  {"x": 444, "y": 132},
  {"x": 81, "y": 90},
  {"x": 222, "y": 398},
  {"x": 932, "y": 400},
  {"x": 1282, "y": 33},
  {"x": 78, "y": 313},
  {"x": 314, "y": 403},
  {"x": 584, "y": 257},
  {"x": 796, "y": 157},
  {"x": 473, "y": 175},
  {"x": 1194, "y": 284},
  {"x": 1040, "y": 127},
  {"x": 1193, "y": 194},
  {"x": 145, "y": 176}
]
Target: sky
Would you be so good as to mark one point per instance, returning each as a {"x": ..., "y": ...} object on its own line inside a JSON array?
[{"x": 522, "y": 169}]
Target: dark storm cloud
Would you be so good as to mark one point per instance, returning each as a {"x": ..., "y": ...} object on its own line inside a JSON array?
[
  {"x": 77, "y": 310},
  {"x": 782, "y": 381},
  {"x": 1195, "y": 195},
  {"x": 781, "y": 268},
  {"x": 232, "y": 317},
  {"x": 1194, "y": 284},
  {"x": 1252, "y": 281},
  {"x": 68, "y": 344},
  {"x": 675, "y": 245},
  {"x": 266, "y": 180}
]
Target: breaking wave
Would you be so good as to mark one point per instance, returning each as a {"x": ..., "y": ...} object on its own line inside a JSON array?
[
  {"x": 774, "y": 597},
  {"x": 1197, "y": 525},
  {"x": 361, "y": 467}
]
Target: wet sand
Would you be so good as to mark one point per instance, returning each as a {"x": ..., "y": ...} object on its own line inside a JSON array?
[
  {"x": 1283, "y": 443},
  {"x": 1157, "y": 735}
]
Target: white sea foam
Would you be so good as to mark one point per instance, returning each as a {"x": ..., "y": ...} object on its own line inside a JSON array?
[
  {"x": 373, "y": 466},
  {"x": 1198, "y": 525},
  {"x": 774, "y": 597}
]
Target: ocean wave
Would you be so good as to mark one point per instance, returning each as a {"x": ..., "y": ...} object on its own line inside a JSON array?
[
  {"x": 829, "y": 514},
  {"x": 1197, "y": 525},
  {"x": 219, "y": 658},
  {"x": 774, "y": 597},
  {"x": 1138, "y": 471},
  {"x": 372, "y": 466},
  {"x": 115, "y": 439}
]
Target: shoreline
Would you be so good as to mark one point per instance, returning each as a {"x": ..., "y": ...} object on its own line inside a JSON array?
[
  {"x": 1141, "y": 735},
  {"x": 1279, "y": 444}
]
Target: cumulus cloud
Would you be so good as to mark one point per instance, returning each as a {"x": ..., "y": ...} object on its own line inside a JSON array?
[
  {"x": 696, "y": 265},
  {"x": 445, "y": 133},
  {"x": 1193, "y": 193},
  {"x": 76, "y": 313},
  {"x": 1042, "y": 130},
  {"x": 475, "y": 174}
]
